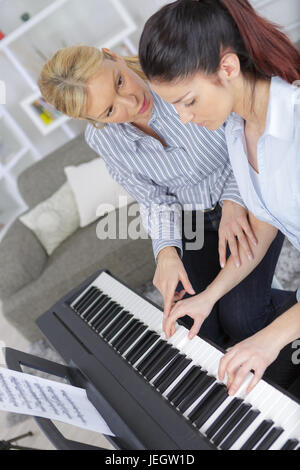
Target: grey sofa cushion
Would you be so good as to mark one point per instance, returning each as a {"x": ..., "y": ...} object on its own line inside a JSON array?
[
  {"x": 84, "y": 249},
  {"x": 130, "y": 260},
  {"x": 22, "y": 259},
  {"x": 41, "y": 180}
]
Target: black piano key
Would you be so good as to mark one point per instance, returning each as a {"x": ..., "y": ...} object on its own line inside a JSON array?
[
  {"x": 241, "y": 427},
  {"x": 117, "y": 314},
  {"x": 257, "y": 435},
  {"x": 209, "y": 405},
  {"x": 105, "y": 319},
  {"x": 96, "y": 307},
  {"x": 269, "y": 440},
  {"x": 231, "y": 423},
  {"x": 118, "y": 340},
  {"x": 103, "y": 314},
  {"x": 100, "y": 306},
  {"x": 143, "y": 345},
  {"x": 163, "y": 360},
  {"x": 87, "y": 302},
  {"x": 172, "y": 371},
  {"x": 82, "y": 299},
  {"x": 177, "y": 393},
  {"x": 291, "y": 444},
  {"x": 113, "y": 329},
  {"x": 132, "y": 338},
  {"x": 159, "y": 348},
  {"x": 103, "y": 311},
  {"x": 113, "y": 312},
  {"x": 224, "y": 416},
  {"x": 201, "y": 386}
]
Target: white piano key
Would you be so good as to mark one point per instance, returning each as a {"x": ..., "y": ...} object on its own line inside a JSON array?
[
  {"x": 177, "y": 338},
  {"x": 266, "y": 405},
  {"x": 291, "y": 430}
]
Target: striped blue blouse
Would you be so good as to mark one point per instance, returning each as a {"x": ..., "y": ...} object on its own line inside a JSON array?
[{"x": 192, "y": 171}]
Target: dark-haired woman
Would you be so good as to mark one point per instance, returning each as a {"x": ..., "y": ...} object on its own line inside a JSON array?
[{"x": 217, "y": 62}]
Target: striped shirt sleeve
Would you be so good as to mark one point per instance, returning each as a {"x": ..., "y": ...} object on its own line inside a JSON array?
[
  {"x": 160, "y": 212},
  {"x": 231, "y": 191}
]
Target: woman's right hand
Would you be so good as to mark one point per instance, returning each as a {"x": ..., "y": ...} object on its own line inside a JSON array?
[{"x": 169, "y": 272}]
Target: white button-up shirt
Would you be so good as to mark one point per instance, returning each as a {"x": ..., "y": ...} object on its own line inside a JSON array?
[{"x": 274, "y": 196}]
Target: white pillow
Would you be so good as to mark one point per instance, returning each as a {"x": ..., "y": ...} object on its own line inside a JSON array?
[
  {"x": 92, "y": 186},
  {"x": 54, "y": 219}
]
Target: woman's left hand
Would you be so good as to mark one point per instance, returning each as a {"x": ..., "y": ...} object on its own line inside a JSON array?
[
  {"x": 253, "y": 354},
  {"x": 234, "y": 225}
]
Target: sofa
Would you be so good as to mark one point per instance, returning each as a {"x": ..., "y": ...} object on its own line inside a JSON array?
[{"x": 30, "y": 280}]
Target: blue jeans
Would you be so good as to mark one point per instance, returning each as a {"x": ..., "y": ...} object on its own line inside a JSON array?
[{"x": 248, "y": 307}]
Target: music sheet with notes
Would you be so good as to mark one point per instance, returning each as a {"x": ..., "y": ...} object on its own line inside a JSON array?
[{"x": 36, "y": 396}]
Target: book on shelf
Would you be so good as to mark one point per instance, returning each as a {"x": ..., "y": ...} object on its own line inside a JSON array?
[{"x": 46, "y": 111}]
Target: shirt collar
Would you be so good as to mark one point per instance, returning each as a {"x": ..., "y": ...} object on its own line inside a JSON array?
[
  {"x": 133, "y": 132},
  {"x": 280, "y": 115},
  {"x": 235, "y": 125}
]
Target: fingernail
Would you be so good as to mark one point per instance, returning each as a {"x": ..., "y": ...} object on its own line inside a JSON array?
[
  {"x": 237, "y": 264},
  {"x": 250, "y": 257},
  {"x": 222, "y": 265}
]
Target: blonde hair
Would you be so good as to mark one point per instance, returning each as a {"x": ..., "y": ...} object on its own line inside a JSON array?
[{"x": 63, "y": 81}]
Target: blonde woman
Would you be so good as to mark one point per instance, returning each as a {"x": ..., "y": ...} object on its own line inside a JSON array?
[{"x": 166, "y": 165}]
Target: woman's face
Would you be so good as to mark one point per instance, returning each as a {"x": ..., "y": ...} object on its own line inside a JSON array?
[
  {"x": 199, "y": 99},
  {"x": 117, "y": 94}
]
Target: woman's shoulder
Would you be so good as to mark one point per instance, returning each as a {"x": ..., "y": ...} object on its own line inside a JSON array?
[
  {"x": 107, "y": 137},
  {"x": 91, "y": 131}
]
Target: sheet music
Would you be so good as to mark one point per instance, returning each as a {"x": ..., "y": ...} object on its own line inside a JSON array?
[{"x": 36, "y": 396}]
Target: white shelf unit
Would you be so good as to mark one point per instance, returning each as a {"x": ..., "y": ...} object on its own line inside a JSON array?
[
  {"x": 84, "y": 28},
  {"x": 16, "y": 154},
  {"x": 53, "y": 24}
]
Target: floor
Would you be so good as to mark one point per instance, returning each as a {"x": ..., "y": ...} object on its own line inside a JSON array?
[{"x": 38, "y": 440}]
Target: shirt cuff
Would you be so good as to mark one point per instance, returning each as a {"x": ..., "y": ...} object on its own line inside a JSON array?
[
  {"x": 234, "y": 198},
  {"x": 158, "y": 245}
]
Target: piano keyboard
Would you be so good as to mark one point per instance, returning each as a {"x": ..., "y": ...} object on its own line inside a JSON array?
[{"x": 184, "y": 372}]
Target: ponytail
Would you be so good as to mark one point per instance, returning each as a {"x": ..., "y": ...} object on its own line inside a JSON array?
[
  {"x": 271, "y": 51},
  {"x": 189, "y": 36}
]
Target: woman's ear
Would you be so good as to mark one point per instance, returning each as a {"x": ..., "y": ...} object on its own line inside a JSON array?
[{"x": 230, "y": 66}]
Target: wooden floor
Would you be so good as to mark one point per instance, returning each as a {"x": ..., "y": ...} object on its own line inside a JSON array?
[{"x": 9, "y": 337}]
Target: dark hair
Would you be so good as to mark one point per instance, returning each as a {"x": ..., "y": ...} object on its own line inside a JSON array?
[{"x": 189, "y": 36}]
